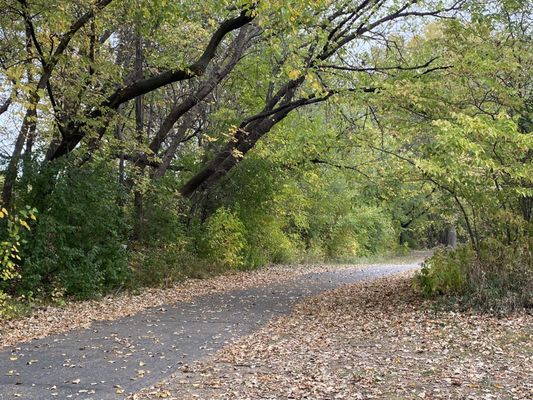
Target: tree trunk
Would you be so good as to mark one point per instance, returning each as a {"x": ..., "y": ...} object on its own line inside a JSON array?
[
  {"x": 139, "y": 127},
  {"x": 12, "y": 167},
  {"x": 230, "y": 156},
  {"x": 451, "y": 237}
]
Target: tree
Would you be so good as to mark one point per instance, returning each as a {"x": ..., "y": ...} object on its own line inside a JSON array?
[{"x": 463, "y": 129}]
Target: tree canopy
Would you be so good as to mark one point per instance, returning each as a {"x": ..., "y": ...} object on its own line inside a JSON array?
[{"x": 148, "y": 135}]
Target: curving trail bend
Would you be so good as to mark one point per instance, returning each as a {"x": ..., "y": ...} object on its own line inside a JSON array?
[{"x": 115, "y": 358}]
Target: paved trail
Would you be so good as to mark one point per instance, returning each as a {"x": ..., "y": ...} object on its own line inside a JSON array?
[{"x": 114, "y": 358}]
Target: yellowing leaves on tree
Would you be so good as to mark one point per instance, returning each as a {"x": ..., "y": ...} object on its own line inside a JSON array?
[
  {"x": 25, "y": 224},
  {"x": 294, "y": 74}
]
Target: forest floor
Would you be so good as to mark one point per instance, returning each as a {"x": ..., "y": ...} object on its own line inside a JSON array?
[{"x": 370, "y": 340}]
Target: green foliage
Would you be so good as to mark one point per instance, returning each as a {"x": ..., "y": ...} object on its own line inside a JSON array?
[
  {"x": 5, "y": 308},
  {"x": 364, "y": 232},
  {"x": 79, "y": 245},
  {"x": 499, "y": 279},
  {"x": 224, "y": 239},
  {"x": 164, "y": 264},
  {"x": 269, "y": 207},
  {"x": 474, "y": 142},
  {"x": 269, "y": 243},
  {"x": 11, "y": 242},
  {"x": 164, "y": 213},
  {"x": 295, "y": 210},
  {"x": 444, "y": 273},
  {"x": 439, "y": 135}
]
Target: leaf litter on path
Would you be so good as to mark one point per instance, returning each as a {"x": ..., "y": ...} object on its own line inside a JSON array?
[
  {"x": 370, "y": 340},
  {"x": 54, "y": 320}
]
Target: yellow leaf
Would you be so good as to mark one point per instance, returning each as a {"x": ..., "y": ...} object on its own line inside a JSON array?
[
  {"x": 316, "y": 86},
  {"x": 237, "y": 153},
  {"x": 294, "y": 74}
]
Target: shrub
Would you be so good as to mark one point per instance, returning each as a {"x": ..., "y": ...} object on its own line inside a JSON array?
[
  {"x": 364, "y": 232},
  {"x": 268, "y": 243},
  {"x": 10, "y": 244},
  {"x": 445, "y": 272},
  {"x": 315, "y": 251},
  {"x": 224, "y": 239},
  {"x": 342, "y": 244},
  {"x": 79, "y": 244},
  {"x": 254, "y": 257},
  {"x": 165, "y": 263},
  {"x": 499, "y": 278},
  {"x": 11, "y": 240},
  {"x": 4, "y": 304},
  {"x": 502, "y": 278},
  {"x": 164, "y": 216}
]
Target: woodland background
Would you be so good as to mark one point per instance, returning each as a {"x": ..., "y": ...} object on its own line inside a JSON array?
[{"x": 145, "y": 141}]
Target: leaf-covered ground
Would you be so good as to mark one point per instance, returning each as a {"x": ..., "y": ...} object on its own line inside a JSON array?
[
  {"x": 58, "y": 319},
  {"x": 49, "y": 320},
  {"x": 372, "y": 340}
]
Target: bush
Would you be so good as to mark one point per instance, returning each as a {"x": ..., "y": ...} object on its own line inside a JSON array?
[
  {"x": 445, "y": 272},
  {"x": 224, "y": 239},
  {"x": 268, "y": 243},
  {"x": 163, "y": 264},
  {"x": 499, "y": 278},
  {"x": 164, "y": 219},
  {"x": 79, "y": 244},
  {"x": 5, "y": 308},
  {"x": 502, "y": 278},
  {"x": 11, "y": 240}
]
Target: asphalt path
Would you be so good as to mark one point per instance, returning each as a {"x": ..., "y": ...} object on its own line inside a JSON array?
[{"x": 114, "y": 358}]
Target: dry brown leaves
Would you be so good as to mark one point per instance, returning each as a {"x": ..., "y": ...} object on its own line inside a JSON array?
[
  {"x": 52, "y": 320},
  {"x": 374, "y": 340}
]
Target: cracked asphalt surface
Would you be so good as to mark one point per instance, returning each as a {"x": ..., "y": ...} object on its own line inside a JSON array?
[{"x": 112, "y": 359}]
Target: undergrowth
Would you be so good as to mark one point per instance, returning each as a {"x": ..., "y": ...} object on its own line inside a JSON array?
[{"x": 497, "y": 279}]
